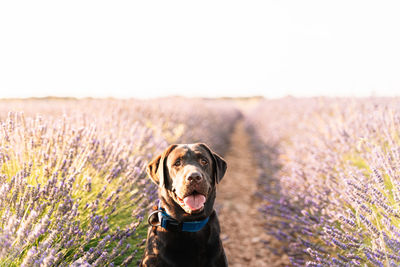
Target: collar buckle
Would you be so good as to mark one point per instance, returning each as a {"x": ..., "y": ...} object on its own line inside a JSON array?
[{"x": 171, "y": 225}]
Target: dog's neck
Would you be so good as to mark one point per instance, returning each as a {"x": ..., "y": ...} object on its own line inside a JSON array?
[{"x": 170, "y": 224}]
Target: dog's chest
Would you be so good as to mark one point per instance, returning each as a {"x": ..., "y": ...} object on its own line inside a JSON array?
[{"x": 182, "y": 249}]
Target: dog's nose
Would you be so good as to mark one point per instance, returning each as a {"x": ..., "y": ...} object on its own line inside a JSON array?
[{"x": 194, "y": 177}]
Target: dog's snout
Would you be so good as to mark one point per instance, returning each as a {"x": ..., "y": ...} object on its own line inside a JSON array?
[{"x": 194, "y": 177}]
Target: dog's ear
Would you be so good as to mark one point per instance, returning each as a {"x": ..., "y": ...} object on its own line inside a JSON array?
[
  {"x": 218, "y": 162},
  {"x": 155, "y": 169}
]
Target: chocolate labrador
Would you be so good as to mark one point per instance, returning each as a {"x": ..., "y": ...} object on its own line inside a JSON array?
[{"x": 184, "y": 228}]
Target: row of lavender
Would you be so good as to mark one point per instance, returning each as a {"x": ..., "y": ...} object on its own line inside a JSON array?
[
  {"x": 73, "y": 187},
  {"x": 331, "y": 179}
]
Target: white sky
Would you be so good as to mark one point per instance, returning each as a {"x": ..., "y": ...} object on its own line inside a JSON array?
[{"x": 199, "y": 48}]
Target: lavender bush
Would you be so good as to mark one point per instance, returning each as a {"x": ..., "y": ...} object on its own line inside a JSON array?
[
  {"x": 331, "y": 179},
  {"x": 73, "y": 188}
]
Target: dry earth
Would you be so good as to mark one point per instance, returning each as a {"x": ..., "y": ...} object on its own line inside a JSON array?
[{"x": 243, "y": 233}]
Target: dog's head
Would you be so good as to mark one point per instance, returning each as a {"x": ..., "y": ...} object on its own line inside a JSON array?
[{"x": 187, "y": 175}]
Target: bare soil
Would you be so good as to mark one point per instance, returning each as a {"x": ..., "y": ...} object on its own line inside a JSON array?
[{"x": 243, "y": 234}]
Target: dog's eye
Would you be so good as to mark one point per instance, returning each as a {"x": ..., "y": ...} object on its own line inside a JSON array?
[
  {"x": 177, "y": 163},
  {"x": 204, "y": 161}
]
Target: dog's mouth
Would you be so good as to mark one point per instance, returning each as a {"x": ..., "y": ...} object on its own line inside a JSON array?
[{"x": 192, "y": 203}]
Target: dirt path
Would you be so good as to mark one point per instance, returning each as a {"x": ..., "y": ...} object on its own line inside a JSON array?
[{"x": 243, "y": 234}]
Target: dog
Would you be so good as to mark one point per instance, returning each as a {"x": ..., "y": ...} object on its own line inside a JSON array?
[{"x": 184, "y": 229}]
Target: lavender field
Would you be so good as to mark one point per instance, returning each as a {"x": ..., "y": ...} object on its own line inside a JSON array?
[
  {"x": 331, "y": 179},
  {"x": 74, "y": 192},
  {"x": 73, "y": 187}
]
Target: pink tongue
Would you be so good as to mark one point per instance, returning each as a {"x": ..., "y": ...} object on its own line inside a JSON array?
[{"x": 195, "y": 201}]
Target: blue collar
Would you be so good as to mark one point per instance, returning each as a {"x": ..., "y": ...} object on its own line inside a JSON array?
[{"x": 170, "y": 224}]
